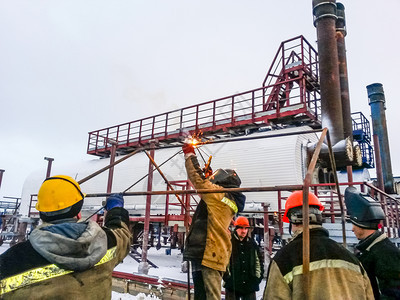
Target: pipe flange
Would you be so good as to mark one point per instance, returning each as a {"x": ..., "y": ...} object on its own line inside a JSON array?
[{"x": 324, "y": 10}]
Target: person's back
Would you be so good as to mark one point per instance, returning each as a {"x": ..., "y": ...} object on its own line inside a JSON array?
[
  {"x": 335, "y": 273},
  {"x": 381, "y": 259},
  {"x": 66, "y": 259}
]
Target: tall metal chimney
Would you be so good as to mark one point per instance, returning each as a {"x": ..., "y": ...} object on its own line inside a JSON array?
[
  {"x": 341, "y": 32},
  {"x": 376, "y": 98},
  {"x": 325, "y": 17}
]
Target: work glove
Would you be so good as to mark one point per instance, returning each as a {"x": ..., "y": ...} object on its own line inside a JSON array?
[
  {"x": 115, "y": 200},
  {"x": 188, "y": 148}
]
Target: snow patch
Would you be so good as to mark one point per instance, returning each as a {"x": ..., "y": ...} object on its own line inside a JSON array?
[{"x": 140, "y": 296}]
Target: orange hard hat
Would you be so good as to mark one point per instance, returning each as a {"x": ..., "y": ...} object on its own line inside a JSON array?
[
  {"x": 296, "y": 200},
  {"x": 242, "y": 222}
]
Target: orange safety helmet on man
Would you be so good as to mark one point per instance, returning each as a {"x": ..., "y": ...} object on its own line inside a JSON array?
[
  {"x": 242, "y": 222},
  {"x": 59, "y": 196},
  {"x": 295, "y": 203}
]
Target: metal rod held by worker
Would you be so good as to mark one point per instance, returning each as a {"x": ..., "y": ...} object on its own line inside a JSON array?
[
  {"x": 109, "y": 166},
  {"x": 131, "y": 186},
  {"x": 306, "y": 221},
  {"x": 165, "y": 178},
  {"x": 341, "y": 205}
]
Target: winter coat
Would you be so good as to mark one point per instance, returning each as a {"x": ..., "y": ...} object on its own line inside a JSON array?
[
  {"x": 208, "y": 241},
  {"x": 335, "y": 273},
  {"x": 245, "y": 270},
  {"x": 381, "y": 260},
  {"x": 66, "y": 260}
]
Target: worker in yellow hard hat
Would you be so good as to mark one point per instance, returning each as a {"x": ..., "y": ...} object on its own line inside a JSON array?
[
  {"x": 64, "y": 258},
  {"x": 59, "y": 197},
  {"x": 335, "y": 273}
]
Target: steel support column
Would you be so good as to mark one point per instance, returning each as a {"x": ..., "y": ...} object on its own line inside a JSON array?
[
  {"x": 143, "y": 266},
  {"x": 379, "y": 176}
]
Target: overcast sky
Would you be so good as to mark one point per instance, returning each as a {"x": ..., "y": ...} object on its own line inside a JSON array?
[{"x": 69, "y": 67}]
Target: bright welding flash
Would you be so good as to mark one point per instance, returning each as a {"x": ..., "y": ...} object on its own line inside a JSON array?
[{"x": 194, "y": 142}]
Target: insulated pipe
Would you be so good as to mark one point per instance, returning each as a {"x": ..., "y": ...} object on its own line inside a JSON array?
[
  {"x": 376, "y": 98},
  {"x": 324, "y": 12},
  {"x": 49, "y": 163},
  {"x": 112, "y": 161},
  {"x": 344, "y": 82},
  {"x": 1, "y": 175}
]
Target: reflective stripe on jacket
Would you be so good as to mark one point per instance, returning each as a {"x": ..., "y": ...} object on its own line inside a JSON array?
[
  {"x": 43, "y": 273},
  {"x": 25, "y": 274},
  {"x": 208, "y": 240},
  {"x": 335, "y": 273}
]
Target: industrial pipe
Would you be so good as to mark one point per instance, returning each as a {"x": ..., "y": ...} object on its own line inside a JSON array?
[
  {"x": 325, "y": 17},
  {"x": 49, "y": 163},
  {"x": 1, "y": 176},
  {"x": 376, "y": 98},
  {"x": 207, "y": 191},
  {"x": 341, "y": 32}
]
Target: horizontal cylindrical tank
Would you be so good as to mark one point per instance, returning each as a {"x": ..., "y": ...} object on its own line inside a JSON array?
[{"x": 259, "y": 163}]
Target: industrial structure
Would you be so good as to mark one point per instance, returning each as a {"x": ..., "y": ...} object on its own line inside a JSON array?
[{"x": 302, "y": 102}]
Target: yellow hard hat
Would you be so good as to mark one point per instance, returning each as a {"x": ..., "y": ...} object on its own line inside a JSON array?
[{"x": 58, "y": 192}]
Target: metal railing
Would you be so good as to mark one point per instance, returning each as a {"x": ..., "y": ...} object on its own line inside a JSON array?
[{"x": 289, "y": 89}]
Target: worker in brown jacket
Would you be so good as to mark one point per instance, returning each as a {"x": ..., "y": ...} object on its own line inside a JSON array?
[
  {"x": 334, "y": 272},
  {"x": 64, "y": 258},
  {"x": 208, "y": 244}
]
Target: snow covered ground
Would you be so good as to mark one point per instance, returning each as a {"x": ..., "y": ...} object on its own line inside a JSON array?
[
  {"x": 169, "y": 267},
  {"x": 141, "y": 296}
]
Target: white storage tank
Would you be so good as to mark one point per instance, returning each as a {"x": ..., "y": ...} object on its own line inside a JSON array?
[{"x": 258, "y": 162}]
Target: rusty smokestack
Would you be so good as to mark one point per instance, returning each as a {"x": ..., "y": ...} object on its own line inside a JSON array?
[
  {"x": 325, "y": 17},
  {"x": 341, "y": 32},
  {"x": 376, "y": 99}
]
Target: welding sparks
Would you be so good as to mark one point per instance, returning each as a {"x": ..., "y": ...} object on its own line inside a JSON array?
[
  {"x": 193, "y": 141},
  {"x": 196, "y": 140}
]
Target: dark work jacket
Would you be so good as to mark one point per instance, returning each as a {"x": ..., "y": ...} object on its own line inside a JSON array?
[
  {"x": 67, "y": 260},
  {"x": 245, "y": 267},
  {"x": 381, "y": 260}
]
